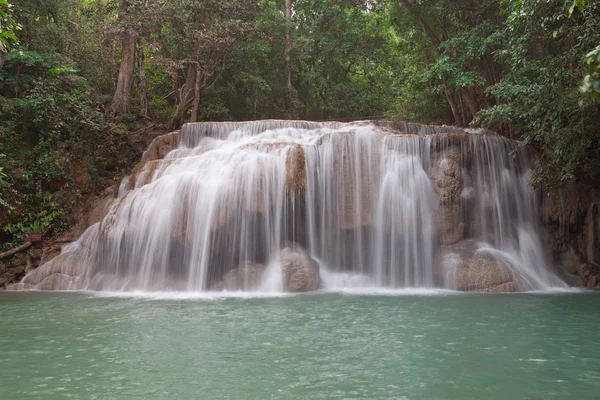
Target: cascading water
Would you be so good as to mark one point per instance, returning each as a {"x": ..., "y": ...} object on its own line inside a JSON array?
[{"x": 374, "y": 206}]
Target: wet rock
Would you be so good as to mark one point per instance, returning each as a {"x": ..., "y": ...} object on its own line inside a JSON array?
[
  {"x": 248, "y": 276},
  {"x": 68, "y": 262},
  {"x": 508, "y": 287},
  {"x": 590, "y": 275},
  {"x": 412, "y": 128},
  {"x": 19, "y": 286},
  {"x": 571, "y": 260},
  {"x": 13, "y": 269},
  {"x": 448, "y": 185},
  {"x": 229, "y": 281},
  {"x": 161, "y": 146},
  {"x": 35, "y": 254},
  {"x": 29, "y": 266},
  {"x": 356, "y": 172},
  {"x": 466, "y": 269},
  {"x": 49, "y": 252},
  {"x": 56, "y": 282},
  {"x": 566, "y": 206},
  {"x": 571, "y": 224},
  {"x": 99, "y": 206},
  {"x": 296, "y": 172},
  {"x": 300, "y": 271},
  {"x": 62, "y": 265},
  {"x": 468, "y": 196}
]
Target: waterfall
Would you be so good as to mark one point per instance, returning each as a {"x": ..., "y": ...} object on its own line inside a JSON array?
[{"x": 374, "y": 205}]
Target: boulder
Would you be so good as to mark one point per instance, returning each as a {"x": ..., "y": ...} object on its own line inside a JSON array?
[
  {"x": 300, "y": 271},
  {"x": 248, "y": 276},
  {"x": 35, "y": 253},
  {"x": 19, "y": 286},
  {"x": 49, "y": 252},
  {"x": 468, "y": 196},
  {"x": 161, "y": 146},
  {"x": 448, "y": 185},
  {"x": 590, "y": 275},
  {"x": 295, "y": 172},
  {"x": 13, "y": 269},
  {"x": 465, "y": 269},
  {"x": 56, "y": 281}
]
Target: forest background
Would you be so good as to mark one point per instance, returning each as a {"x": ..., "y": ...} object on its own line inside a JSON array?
[{"x": 85, "y": 84}]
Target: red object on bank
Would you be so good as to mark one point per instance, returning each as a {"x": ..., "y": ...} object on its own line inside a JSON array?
[{"x": 33, "y": 237}]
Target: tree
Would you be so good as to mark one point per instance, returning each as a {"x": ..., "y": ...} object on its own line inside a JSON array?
[
  {"x": 8, "y": 29},
  {"x": 194, "y": 41},
  {"x": 462, "y": 38},
  {"x": 344, "y": 58},
  {"x": 123, "y": 92},
  {"x": 547, "y": 50},
  {"x": 287, "y": 61}
]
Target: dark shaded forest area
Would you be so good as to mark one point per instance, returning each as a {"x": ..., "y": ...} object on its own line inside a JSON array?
[{"x": 85, "y": 84}]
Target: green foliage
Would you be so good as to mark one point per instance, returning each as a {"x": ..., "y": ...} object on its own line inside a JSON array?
[
  {"x": 345, "y": 59},
  {"x": 55, "y": 142},
  {"x": 8, "y": 25},
  {"x": 591, "y": 82},
  {"x": 4, "y": 185},
  {"x": 540, "y": 95},
  {"x": 528, "y": 69}
]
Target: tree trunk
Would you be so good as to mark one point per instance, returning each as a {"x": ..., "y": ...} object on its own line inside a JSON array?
[
  {"x": 187, "y": 99},
  {"x": 432, "y": 36},
  {"x": 3, "y": 54},
  {"x": 122, "y": 98},
  {"x": 115, "y": 67},
  {"x": 463, "y": 114},
  {"x": 196, "y": 103},
  {"x": 471, "y": 97},
  {"x": 287, "y": 61},
  {"x": 452, "y": 103},
  {"x": 144, "y": 102},
  {"x": 16, "y": 250}
]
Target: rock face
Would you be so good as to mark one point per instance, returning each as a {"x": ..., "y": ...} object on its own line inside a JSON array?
[
  {"x": 300, "y": 271},
  {"x": 14, "y": 268},
  {"x": 571, "y": 221},
  {"x": 61, "y": 271},
  {"x": 161, "y": 146},
  {"x": 99, "y": 206},
  {"x": 448, "y": 185},
  {"x": 248, "y": 276},
  {"x": 467, "y": 270},
  {"x": 295, "y": 171},
  {"x": 590, "y": 275}
]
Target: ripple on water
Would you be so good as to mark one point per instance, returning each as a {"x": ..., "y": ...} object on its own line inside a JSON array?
[{"x": 426, "y": 345}]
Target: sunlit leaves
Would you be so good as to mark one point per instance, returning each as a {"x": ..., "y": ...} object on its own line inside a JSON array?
[
  {"x": 8, "y": 25},
  {"x": 591, "y": 82}
]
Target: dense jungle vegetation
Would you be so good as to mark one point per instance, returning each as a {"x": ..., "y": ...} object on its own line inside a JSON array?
[{"x": 81, "y": 80}]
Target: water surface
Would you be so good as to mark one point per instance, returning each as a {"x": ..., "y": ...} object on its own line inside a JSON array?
[{"x": 401, "y": 345}]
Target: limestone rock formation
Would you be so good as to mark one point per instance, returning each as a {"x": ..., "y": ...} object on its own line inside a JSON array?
[
  {"x": 571, "y": 223},
  {"x": 62, "y": 271},
  {"x": 15, "y": 267},
  {"x": 590, "y": 275},
  {"x": 299, "y": 270},
  {"x": 447, "y": 182},
  {"x": 161, "y": 146},
  {"x": 295, "y": 171},
  {"x": 99, "y": 206},
  {"x": 248, "y": 276},
  {"x": 466, "y": 269}
]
